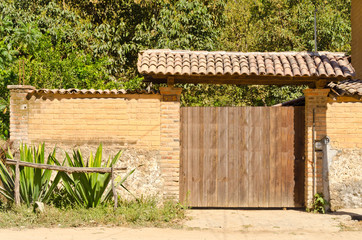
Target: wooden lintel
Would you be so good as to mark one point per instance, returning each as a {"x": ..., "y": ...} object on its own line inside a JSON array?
[
  {"x": 357, "y": 97},
  {"x": 333, "y": 95},
  {"x": 344, "y": 98},
  {"x": 335, "y": 92}
]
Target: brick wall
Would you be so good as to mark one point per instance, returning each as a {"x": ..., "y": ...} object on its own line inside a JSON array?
[
  {"x": 19, "y": 114},
  {"x": 344, "y": 124},
  {"x": 149, "y": 122},
  {"x": 315, "y": 100},
  {"x": 170, "y": 142},
  {"x": 131, "y": 121},
  {"x": 341, "y": 120}
]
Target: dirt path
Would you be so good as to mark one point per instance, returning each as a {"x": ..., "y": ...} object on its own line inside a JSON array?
[
  {"x": 269, "y": 220},
  {"x": 163, "y": 234},
  {"x": 218, "y": 224}
]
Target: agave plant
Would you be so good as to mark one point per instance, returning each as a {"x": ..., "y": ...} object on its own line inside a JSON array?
[
  {"x": 35, "y": 184},
  {"x": 90, "y": 189}
]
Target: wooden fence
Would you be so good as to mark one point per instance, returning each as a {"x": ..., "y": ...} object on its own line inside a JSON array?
[{"x": 19, "y": 163}]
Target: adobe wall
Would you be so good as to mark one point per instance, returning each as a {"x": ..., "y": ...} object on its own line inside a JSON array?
[
  {"x": 341, "y": 121},
  {"x": 143, "y": 126}
]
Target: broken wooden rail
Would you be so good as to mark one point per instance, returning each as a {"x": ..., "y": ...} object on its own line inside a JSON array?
[
  {"x": 101, "y": 170},
  {"x": 64, "y": 168}
]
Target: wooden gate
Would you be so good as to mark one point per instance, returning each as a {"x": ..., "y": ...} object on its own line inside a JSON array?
[{"x": 242, "y": 156}]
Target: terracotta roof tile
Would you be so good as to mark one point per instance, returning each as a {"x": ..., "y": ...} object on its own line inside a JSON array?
[
  {"x": 348, "y": 87},
  {"x": 289, "y": 64},
  {"x": 91, "y": 91}
]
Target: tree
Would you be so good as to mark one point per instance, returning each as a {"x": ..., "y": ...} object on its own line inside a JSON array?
[
  {"x": 95, "y": 44},
  {"x": 285, "y": 25}
]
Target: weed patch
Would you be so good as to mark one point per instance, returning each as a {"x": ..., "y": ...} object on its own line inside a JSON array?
[{"x": 143, "y": 212}]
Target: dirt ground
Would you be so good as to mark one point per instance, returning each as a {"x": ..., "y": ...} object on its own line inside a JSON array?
[{"x": 220, "y": 224}]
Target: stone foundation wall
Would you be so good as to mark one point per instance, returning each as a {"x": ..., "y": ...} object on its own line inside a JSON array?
[
  {"x": 345, "y": 179},
  {"x": 146, "y": 180}
]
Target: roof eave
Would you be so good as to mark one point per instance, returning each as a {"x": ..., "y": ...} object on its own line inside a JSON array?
[{"x": 243, "y": 79}]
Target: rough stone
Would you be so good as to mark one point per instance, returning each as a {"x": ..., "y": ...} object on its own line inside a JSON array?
[
  {"x": 345, "y": 179},
  {"x": 146, "y": 181}
]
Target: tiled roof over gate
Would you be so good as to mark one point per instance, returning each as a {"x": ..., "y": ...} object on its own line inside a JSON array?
[
  {"x": 348, "y": 87},
  {"x": 283, "y": 64}
]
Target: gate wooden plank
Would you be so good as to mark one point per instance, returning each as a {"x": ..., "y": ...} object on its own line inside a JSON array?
[
  {"x": 222, "y": 190},
  {"x": 183, "y": 155},
  {"x": 257, "y": 146},
  {"x": 261, "y": 175},
  {"x": 206, "y": 159},
  {"x": 266, "y": 156},
  {"x": 251, "y": 156},
  {"x": 291, "y": 157},
  {"x": 253, "y": 161},
  {"x": 207, "y": 162},
  {"x": 190, "y": 129},
  {"x": 188, "y": 153},
  {"x": 207, "y": 171},
  {"x": 232, "y": 174},
  {"x": 273, "y": 156},
  {"x": 284, "y": 152},
  {"x": 201, "y": 161},
  {"x": 194, "y": 163},
  {"x": 243, "y": 136},
  {"x": 196, "y": 155},
  {"x": 211, "y": 192},
  {"x": 299, "y": 165},
  {"x": 278, "y": 162}
]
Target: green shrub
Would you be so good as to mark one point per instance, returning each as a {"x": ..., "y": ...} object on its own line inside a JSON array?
[
  {"x": 35, "y": 184},
  {"x": 90, "y": 189},
  {"x": 81, "y": 189},
  {"x": 319, "y": 204}
]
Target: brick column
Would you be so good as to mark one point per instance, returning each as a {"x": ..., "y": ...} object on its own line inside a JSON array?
[
  {"x": 170, "y": 140},
  {"x": 19, "y": 113},
  {"x": 315, "y": 99}
]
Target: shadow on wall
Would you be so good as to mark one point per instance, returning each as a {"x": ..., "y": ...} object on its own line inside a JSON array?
[{"x": 354, "y": 216}]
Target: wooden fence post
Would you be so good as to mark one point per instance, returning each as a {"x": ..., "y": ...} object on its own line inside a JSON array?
[
  {"x": 114, "y": 190},
  {"x": 17, "y": 183}
]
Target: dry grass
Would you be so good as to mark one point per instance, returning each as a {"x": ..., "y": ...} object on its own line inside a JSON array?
[{"x": 134, "y": 213}]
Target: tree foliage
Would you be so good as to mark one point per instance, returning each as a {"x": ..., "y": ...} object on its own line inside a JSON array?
[
  {"x": 95, "y": 43},
  {"x": 287, "y": 25}
]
